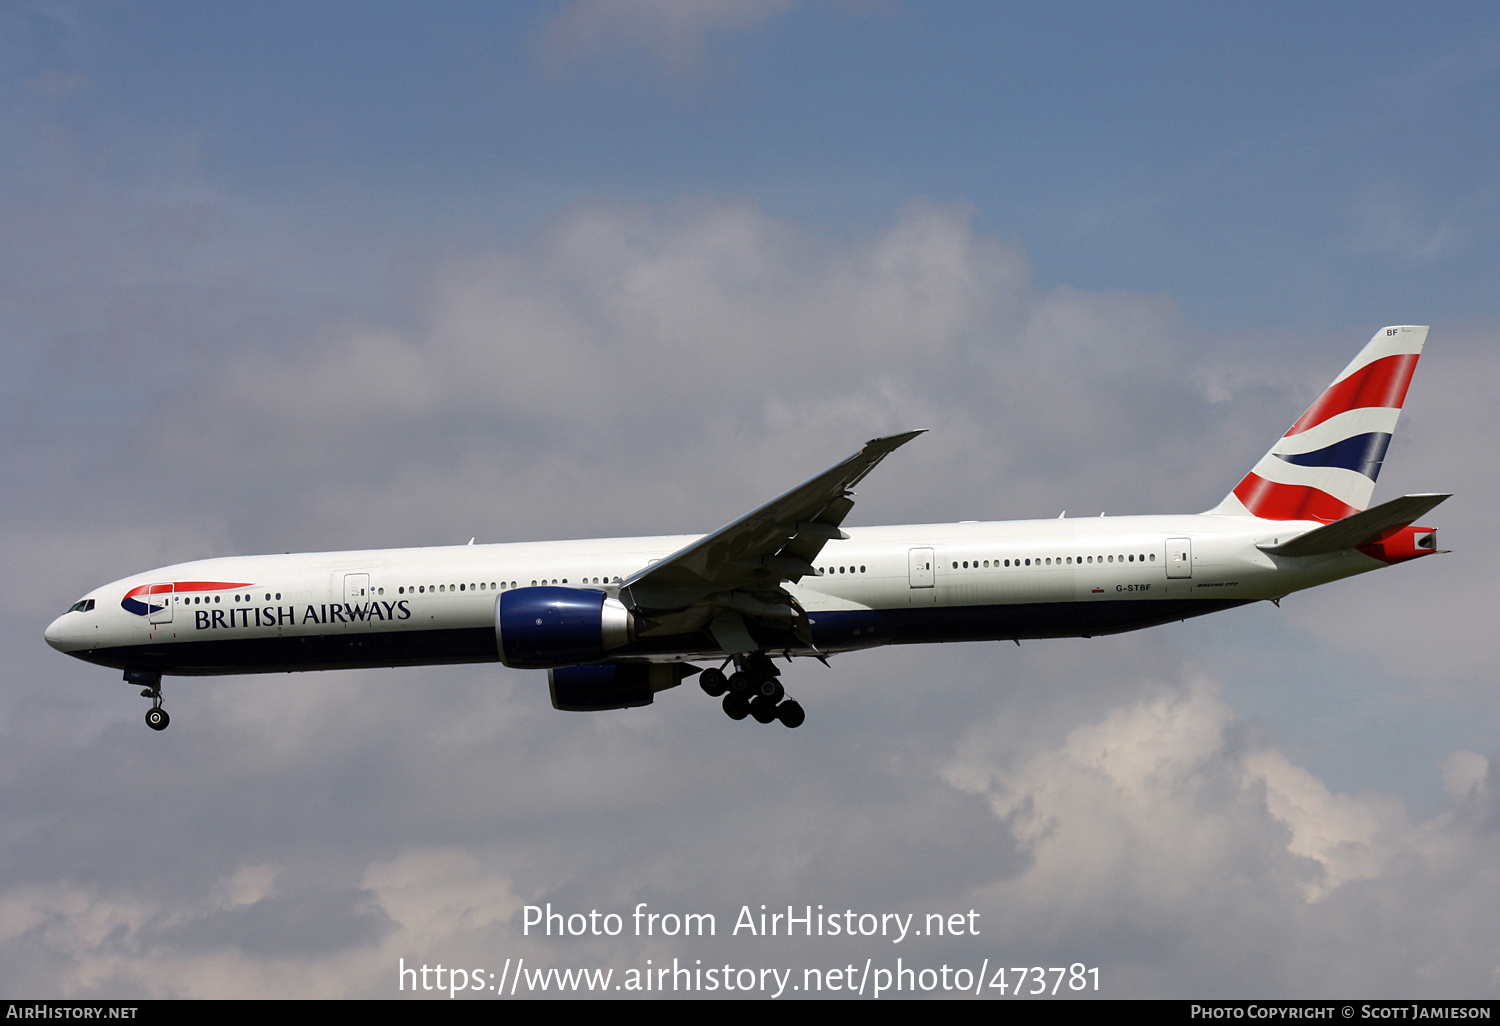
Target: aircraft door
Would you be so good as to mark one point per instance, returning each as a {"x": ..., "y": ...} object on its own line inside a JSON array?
[
  {"x": 1179, "y": 558},
  {"x": 919, "y": 563},
  {"x": 165, "y": 594},
  {"x": 356, "y": 589}
]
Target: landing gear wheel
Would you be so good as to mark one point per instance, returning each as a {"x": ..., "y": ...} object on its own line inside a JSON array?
[
  {"x": 736, "y": 705},
  {"x": 791, "y": 714},
  {"x": 157, "y": 718},
  {"x": 713, "y": 682},
  {"x": 763, "y": 709},
  {"x": 739, "y": 683},
  {"x": 770, "y": 687}
]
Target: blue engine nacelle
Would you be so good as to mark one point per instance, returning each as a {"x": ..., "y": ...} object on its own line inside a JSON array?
[
  {"x": 540, "y": 628},
  {"x": 621, "y": 686}
]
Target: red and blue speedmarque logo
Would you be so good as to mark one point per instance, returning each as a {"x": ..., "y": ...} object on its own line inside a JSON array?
[{"x": 152, "y": 598}]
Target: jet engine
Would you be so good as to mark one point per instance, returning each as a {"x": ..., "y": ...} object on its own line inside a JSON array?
[
  {"x": 541, "y": 628},
  {"x": 620, "y": 686}
]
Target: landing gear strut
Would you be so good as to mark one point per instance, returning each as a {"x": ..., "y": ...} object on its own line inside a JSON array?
[
  {"x": 752, "y": 690},
  {"x": 156, "y": 716}
]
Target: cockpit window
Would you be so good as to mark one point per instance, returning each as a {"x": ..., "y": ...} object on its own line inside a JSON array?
[{"x": 81, "y": 606}]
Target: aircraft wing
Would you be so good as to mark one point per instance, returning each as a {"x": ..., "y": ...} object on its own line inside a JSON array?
[{"x": 742, "y": 565}]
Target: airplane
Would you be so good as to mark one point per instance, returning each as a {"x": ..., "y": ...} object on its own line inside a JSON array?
[{"x": 614, "y": 621}]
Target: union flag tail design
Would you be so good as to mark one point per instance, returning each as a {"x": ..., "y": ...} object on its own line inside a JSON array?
[{"x": 1324, "y": 467}]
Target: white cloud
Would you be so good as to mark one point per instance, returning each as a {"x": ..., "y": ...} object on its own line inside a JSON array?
[
  {"x": 1162, "y": 840},
  {"x": 441, "y": 896},
  {"x": 630, "y": 369},
  {"x": 710, "y": 336},
  {"x": 1464, "y": 773},
  {"x": 94, "y": 941},
  {"x": 1170, "y": 815},
  {"x": 675, "y": 32}
]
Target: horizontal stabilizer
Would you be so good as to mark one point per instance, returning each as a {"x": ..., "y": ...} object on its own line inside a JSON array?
[{"x": 1357, "y": 529}]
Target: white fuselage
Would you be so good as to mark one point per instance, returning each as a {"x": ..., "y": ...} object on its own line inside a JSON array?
[{"x": 882, "y": 585}]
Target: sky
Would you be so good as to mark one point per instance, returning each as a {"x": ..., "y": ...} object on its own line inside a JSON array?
[{"x": 303, "y": 277}]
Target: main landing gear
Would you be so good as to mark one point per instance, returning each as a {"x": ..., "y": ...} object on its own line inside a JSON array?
[
  {"x": 156, "y": 716},
  {"x": 753, "y": 690}
]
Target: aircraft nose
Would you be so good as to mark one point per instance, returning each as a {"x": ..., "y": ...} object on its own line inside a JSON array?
[{"x": 57, "y": 634}]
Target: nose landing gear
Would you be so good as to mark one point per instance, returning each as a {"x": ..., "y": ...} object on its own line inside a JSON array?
[
  {"x": 156, "y": 716},
  {"x": 752, "y": 690}
]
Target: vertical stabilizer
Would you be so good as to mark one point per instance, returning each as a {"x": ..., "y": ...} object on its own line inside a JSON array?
[{"x": 1324, "y": 467}]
